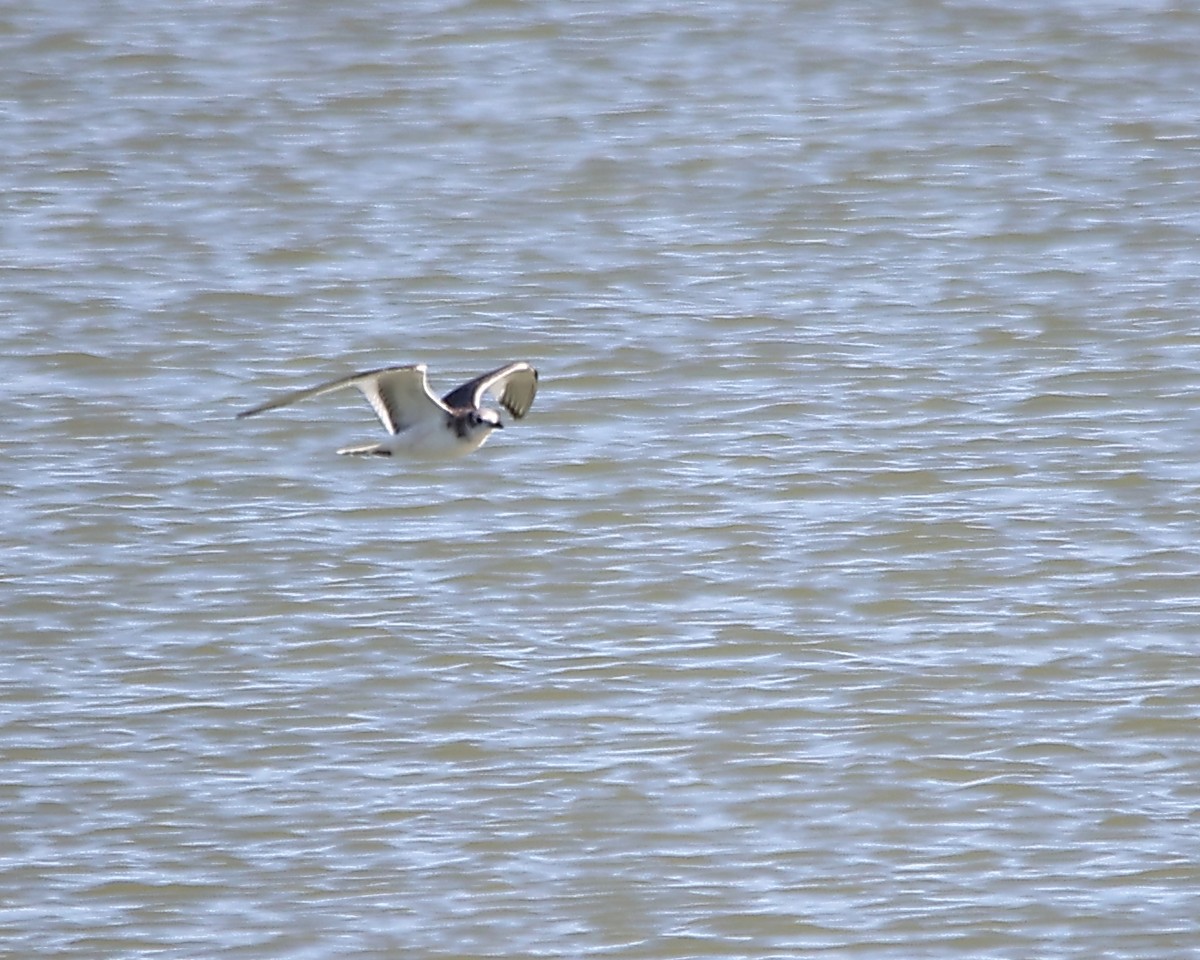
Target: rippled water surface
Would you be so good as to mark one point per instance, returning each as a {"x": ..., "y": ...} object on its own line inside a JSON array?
[{"x": 839, "y": 597}]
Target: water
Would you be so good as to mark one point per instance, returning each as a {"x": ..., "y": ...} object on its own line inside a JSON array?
[{"x": 837, "y": 598}]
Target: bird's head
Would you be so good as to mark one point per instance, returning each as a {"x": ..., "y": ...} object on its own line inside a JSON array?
[{"x": 486, "y": 420}]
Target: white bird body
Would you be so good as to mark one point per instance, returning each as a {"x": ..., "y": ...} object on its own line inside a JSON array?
[{"x": 418, "y": 422}]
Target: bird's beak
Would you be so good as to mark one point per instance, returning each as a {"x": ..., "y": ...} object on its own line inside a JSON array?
[{"x": 497, "y": 425}]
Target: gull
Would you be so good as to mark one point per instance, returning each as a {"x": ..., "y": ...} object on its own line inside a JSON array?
[{"x": 419, "y": 423}]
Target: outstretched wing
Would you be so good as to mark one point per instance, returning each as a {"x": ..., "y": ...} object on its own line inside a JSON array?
[
  {"x": 514, "y": 385},
  {"x": 400, "y": 396}
]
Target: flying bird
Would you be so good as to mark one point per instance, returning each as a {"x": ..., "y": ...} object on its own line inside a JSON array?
[{"x": 419, "y": 423}]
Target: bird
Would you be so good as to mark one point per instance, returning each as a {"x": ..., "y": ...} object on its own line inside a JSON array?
[{"x": 419, "y": 423}]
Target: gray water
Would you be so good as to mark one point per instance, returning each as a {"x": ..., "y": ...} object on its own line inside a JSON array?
[{"x": 839, "y": 597}]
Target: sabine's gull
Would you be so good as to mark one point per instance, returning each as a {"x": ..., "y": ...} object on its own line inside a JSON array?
[{"x": 420, "y": 423}]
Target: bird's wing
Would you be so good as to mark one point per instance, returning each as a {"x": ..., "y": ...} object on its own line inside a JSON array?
[
  {"x": 400, "y": 396},
  {"x": 514, "y": 385}
]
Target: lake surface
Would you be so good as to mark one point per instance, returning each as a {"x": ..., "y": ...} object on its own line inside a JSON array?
[{"x": 839, "y": 597}]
